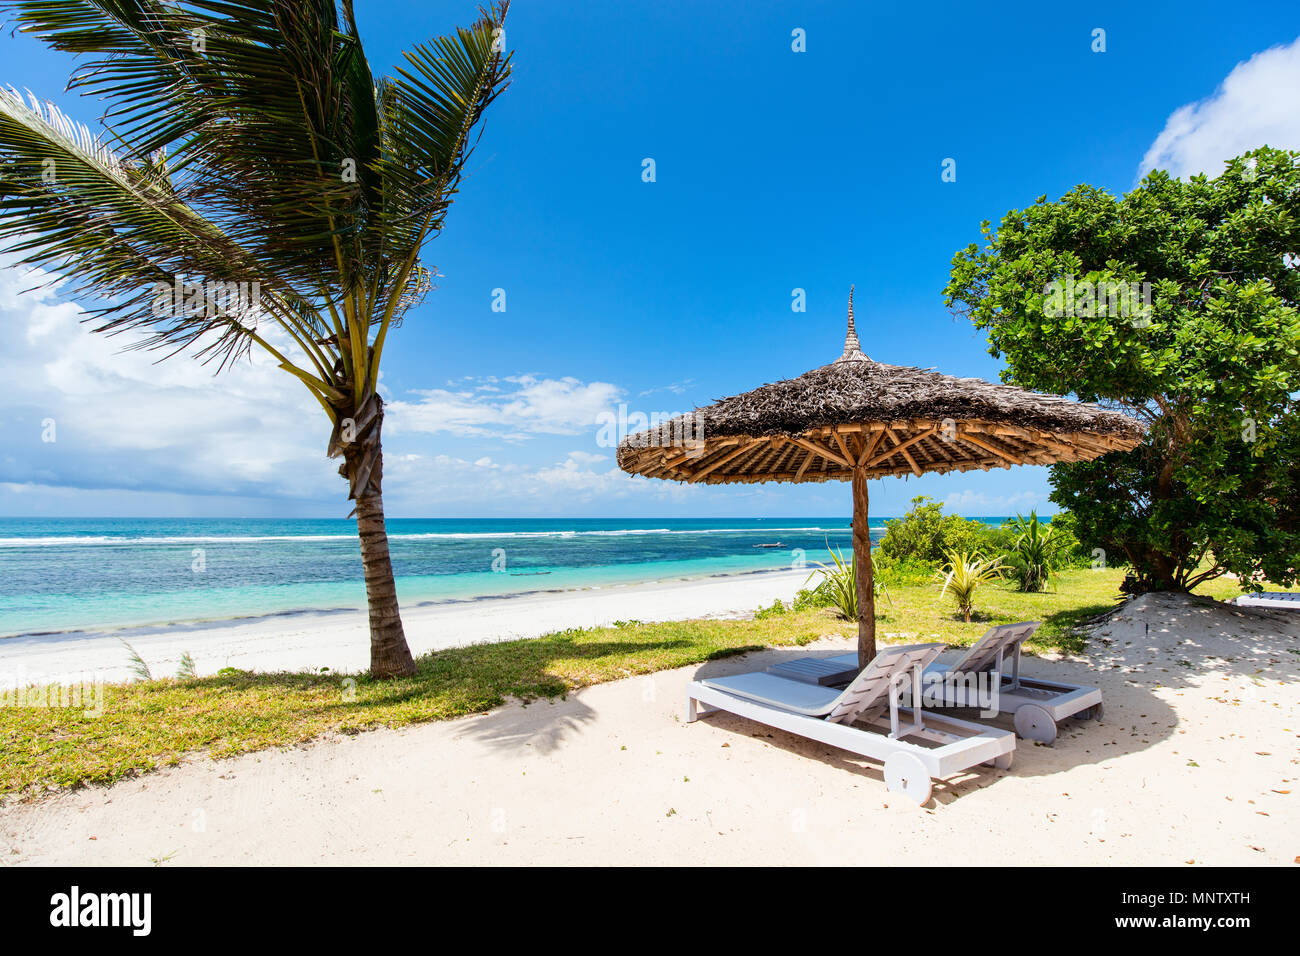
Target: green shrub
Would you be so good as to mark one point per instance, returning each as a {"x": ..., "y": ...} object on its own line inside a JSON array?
[
  {"x": 925, "y": 533},
  {"x": 963, "y": 573},
  {"x": 839, "y": 585},
  {"x": 1072, "y": 553},
  {"x": 808, "y": 598},
  {"x": 903, "y": 572},
  {"x": 1033, "y": 558},
  {"x": 776, "y": 609},
  {"x": 999, "y": 539}
]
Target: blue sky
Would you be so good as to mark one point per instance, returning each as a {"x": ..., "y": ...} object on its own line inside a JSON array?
[{"x": 775, "y": 170}]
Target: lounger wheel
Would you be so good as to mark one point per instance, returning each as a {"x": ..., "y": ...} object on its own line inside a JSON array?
[
  {"x": 904, "y": 773},
  {"x": 1035, "y": 723}
]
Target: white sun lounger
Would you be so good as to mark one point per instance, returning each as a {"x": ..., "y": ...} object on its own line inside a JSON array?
[
  {"x": 1037, "y": 706},
  {"x": 1286, "y": 600},
  {"x": 912, "y": 752}
]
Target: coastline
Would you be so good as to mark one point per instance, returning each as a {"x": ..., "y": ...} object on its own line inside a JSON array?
[
  {"x": 1190, "y": 766},
  {"x": 108, "y": 575},
  {"x": 337, "y": 639}
]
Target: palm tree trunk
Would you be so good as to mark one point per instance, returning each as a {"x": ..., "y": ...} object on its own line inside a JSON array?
[
  {"x": 864, "y": 583},
  {"x": 357, "y": 438},
  {"x": 389, "y": 654}
]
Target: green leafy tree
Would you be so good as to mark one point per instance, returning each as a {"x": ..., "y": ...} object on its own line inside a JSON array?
[
  {"x": 255, "y": 187},
  {"x": 1065, "y": 536},
  {"x": 1212, "y": 366},
  {"x": 925, "y": 533}
]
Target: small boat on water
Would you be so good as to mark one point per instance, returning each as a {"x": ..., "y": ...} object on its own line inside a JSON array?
[{"x": 777, "y": 545}]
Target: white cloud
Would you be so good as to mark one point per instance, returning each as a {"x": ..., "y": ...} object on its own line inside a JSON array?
[
  {"x": 1254, "y": 106},
  {"x": 125, "y": 424},
  {"x": 413, "y": 482},
  {"x": 677, "y": 388},
  {"x": 123, "y": 420},
  {"x": 571, "y": 476},
  {"x": 531, "y": 406}
]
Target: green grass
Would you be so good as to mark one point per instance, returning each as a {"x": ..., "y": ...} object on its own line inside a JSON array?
[
  {"x": 917, "y": 613},
  {"x": 154, "y": 723}
]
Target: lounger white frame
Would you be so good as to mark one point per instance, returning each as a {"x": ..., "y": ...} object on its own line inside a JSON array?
[
  {"x": 1283, "y": 600},
  {"x": 1037, "y": 706},
  {"x": 909, "y": 766}
]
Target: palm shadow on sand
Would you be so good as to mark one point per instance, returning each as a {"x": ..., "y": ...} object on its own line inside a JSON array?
[{"x": 506, "y": 702}]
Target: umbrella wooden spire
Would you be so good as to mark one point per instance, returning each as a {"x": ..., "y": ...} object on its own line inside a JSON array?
[{"x": 852, "y": 348}]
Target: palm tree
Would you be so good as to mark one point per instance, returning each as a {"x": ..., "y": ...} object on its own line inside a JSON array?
[{"x": 248, "y": 149}]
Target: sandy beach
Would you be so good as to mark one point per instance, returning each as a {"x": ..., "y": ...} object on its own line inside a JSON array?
[
  {"x": 1194, "y": 763},
  {"x": 340, "y": 641}
]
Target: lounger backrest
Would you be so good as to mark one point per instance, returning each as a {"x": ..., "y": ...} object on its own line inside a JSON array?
[
  {"x": 871, "y": 687},
  {"x": 983, "y": 654}
]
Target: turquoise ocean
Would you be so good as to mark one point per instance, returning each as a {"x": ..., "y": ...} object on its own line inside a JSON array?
[{"x": 91, "y": 574}]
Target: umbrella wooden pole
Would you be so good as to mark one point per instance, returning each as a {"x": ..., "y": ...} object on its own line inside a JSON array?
[{"x": 865, "y": 586}]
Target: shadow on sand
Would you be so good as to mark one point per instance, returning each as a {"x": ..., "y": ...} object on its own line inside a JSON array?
[{"x": 1157, "y": 642}]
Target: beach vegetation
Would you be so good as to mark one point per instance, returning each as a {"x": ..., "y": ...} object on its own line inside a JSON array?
[
  {"x": 1210, "y": 363},
  {"x": 1070, "y": 552},
  {"x": 1034, "y": 556},
  {"x": 962, "y": 575},
  {"x": 899, "y": 572},
  {"x": 926, "y": 534},
  {"x": 187, "y": 669},
  {"x": 776, "y": 608},
  {"x": 807, "y": 598},
  {"x": 139, "y": 668},
  {"x": 838, "y": 587}
]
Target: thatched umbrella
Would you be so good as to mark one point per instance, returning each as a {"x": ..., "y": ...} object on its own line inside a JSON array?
[{"x": 856, "y": 419}]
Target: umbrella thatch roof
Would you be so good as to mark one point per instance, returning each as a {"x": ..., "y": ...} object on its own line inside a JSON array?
[{"x": 885, "y": 419}]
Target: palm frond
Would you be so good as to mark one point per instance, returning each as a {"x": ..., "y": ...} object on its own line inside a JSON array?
[
  {"x": 426, "y": 120},
  {"x": 141, "y": 58},
  {"x": 71, "y": 205},
  {"x": 247, "y": 141}
]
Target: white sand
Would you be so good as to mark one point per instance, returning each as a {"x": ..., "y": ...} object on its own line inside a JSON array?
[
  {"x": 1195, "y": 761},
  {"x": 340, "y": 640}
]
